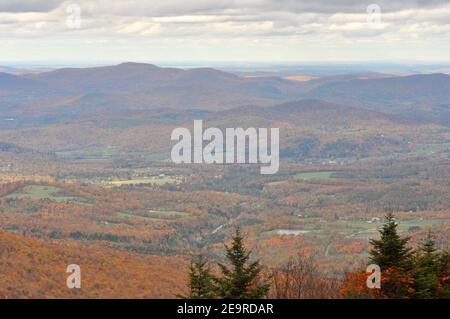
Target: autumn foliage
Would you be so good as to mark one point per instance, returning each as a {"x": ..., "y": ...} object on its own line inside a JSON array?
[
  {"x": 405, "y": 274},
  {"x": 33, "y": 269}
]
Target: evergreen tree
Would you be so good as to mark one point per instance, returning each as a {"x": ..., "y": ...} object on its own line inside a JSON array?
[
  {"x": 390, "y": 250},
  {"x": 200, "y": 280},
  {"x": 426, "y": 269},
  {"x": 241, "y": 280},
  {"x": 428, "y": 245},
  {"x": 391, "y": 253},
  {"x": 444, "y": 275}
]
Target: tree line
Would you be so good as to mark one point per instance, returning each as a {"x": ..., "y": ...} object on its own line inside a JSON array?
[{"x": 406, "y": 273}]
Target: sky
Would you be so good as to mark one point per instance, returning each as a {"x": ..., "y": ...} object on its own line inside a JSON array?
[{"x": 56, "y": 32}]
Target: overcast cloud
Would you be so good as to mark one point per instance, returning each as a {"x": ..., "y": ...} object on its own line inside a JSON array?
[{"x": 224, "y": 30}]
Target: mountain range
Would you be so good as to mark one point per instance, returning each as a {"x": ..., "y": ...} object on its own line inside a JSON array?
[
  {"x": 138, "y": 87},
  {"x": 126, "y": 105}
]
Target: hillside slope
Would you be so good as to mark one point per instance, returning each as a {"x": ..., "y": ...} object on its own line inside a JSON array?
[{"x": 33, "y": 269}]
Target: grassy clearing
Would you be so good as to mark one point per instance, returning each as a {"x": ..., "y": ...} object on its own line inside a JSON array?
[
  {"x": 167, "y": 214},
  {"x": 289, "y": 232},
  {"x": 314, "y": 175},
  {"x": 154, "y": 180},
  {"x": 83, "y": 154},
  {"x": 353, "y": 227},
  {"x": 39, "y": 192},
  {"x": 154, "y": 215},
  {"x": 360, "y": 228},
  {"x": 405, "y": 225},
  {"x": 137, "y": 217}
]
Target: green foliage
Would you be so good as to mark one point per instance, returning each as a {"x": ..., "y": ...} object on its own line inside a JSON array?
[
  {"x": 390, "y": 250},
  {"x": 200, "y": 280},
  {"x": 429, "y": 271},
  {"x": 393, "y": 256},
  {"x": 423, "y": 274},
  {"x": 444, "y": 275},
  {"x": 241, "y": 280}
]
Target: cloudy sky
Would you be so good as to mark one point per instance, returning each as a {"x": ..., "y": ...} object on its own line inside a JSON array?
[{"x": 282, "y": 31}]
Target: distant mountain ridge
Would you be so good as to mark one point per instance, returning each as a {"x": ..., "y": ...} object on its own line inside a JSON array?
[
  {"x": 138, "y": 87},
  {"x": 390, "y": 90},
  {"x": 13, "y": 84},
  {"x": 140, "y": 77},
  {"x": 131, "y": 86}
]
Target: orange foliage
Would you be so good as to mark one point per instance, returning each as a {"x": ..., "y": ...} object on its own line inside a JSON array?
[{"x": 33, "y": 269}]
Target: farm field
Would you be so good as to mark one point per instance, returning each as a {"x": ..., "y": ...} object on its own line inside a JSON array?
[
  {"x": 43, "y": 192},
  {"x": 314, "y": 175},
  {"x": 142, "y": 181}
]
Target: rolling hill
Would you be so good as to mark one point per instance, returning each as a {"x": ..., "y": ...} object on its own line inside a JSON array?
[
  {"x": 84, "y": 92},
  {"x": 35, "y": 269},
  {"x": 13, "y": 84},
  {"x": 129, "y": 87},
  {"x": 388, "y": 94},
  {"x": 123, "y": 106}
]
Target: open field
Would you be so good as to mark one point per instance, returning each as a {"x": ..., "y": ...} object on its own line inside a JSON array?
[
  {"x": 157, "y": 180},
  {"x": 153, "y": 215},
  {"x": 42, "y": 192},
  {"x": 137, "y": 217},
  {"x": 314, "y": 175}
]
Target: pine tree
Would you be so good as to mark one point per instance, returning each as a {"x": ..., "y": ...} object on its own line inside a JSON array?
[
  {"x": 390, "y": 250},
  {"x": 200, "y": 279},
  {"x": 428, "y": 245},
  {"x": 426, "y": 269},
  {"x": 241, "y": 280},
  {"x": 393, "y": 256},
  {"x": 444, "y": 275}
]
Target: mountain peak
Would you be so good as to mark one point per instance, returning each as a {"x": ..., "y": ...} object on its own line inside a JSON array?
[{"x": 137, "y": 65}]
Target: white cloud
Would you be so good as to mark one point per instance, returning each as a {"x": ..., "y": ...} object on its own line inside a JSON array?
[{"x": 198, "y": 23}]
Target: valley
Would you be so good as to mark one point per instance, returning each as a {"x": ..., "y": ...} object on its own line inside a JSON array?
[{"x": 86, "y": 175}]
